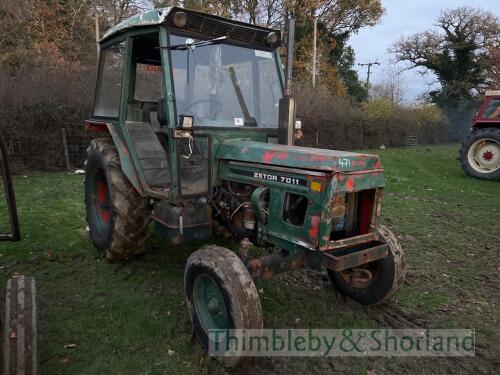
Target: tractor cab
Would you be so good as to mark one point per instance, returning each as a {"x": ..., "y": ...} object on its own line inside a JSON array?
[{"x": 171, "y": 80}]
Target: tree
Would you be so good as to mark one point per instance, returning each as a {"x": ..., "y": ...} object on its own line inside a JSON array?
[
  {"x": 337, "y": 21},
  {"x": 462, "y": 52},
  {"x": 343, "y": 58},
  {"x": 391, "y": 87}
]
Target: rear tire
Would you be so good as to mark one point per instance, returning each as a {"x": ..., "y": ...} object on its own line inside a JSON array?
[
  {"x": 480, "y": 154},
  {"x": 220, "y": 294},
  {"x": 20, "y": 350},
  {"x": 117, "y": 215},
  {"x": 388, "y": 275}
]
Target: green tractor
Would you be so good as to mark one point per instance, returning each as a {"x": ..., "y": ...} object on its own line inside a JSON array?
[{"x": 194, "y": 128}]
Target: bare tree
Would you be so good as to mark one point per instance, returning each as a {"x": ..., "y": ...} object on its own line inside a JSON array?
[
  {"x": 391, "y": 86},
  {"x": 460, "y": 50}
]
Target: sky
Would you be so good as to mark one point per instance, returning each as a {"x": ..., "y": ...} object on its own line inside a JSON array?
[{"x": 404, "y": 18}]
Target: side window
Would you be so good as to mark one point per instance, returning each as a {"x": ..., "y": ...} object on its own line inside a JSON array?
[
  {"x": 147, "y": 83},
  {"x": 109, "y": 87}
]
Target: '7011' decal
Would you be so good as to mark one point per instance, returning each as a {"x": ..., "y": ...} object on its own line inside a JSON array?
[{"x": 272, "y": 177}]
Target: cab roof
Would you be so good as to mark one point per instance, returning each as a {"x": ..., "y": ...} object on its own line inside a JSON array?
[{"x": 148, "y": 18}]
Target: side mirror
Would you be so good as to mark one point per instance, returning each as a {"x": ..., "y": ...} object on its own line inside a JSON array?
[{"x": 162, "y": 112}]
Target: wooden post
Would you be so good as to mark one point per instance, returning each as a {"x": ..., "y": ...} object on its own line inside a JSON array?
[
  {"x": 65, "y": 146},
  {"x": 315, "y": 28}
]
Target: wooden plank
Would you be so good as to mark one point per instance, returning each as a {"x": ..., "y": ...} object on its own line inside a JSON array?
[{"x": 20, "y": 351}]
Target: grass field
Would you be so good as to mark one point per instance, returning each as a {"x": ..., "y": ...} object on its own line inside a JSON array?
[{"x": 130, "y": 318}]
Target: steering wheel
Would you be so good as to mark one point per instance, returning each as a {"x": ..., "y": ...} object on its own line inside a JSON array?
[{"x": 214, "y": 111}]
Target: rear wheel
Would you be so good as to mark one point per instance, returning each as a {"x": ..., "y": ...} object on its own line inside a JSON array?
[
  {"x": 377, "y": 281},
  {"x": 117, "y": 215},
  {"x": 480, "y": 154},
  {"x": 220, "y": 295}
]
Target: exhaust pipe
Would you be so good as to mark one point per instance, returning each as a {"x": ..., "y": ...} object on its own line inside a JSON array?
[{"x": 286, "y": 122}]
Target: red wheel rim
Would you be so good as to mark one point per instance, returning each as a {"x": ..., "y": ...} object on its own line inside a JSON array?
[{"x": 101, "y": 202}]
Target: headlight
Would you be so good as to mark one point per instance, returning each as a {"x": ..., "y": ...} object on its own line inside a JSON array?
[
  {"x": 180, "y": 19},
  {"x": 271, "y": 38}
]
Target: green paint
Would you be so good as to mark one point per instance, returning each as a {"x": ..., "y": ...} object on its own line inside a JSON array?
[
  {"x": 297, "y": 157},
  {"x": 209, "y": 303},
  {"x": 126, "y": 162}
]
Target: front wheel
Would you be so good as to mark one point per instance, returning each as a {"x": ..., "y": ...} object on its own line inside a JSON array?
[
  {"x": 220, "y": 295},
  {"x": 377, "y": 281},
  {"x": 480, "y": 154}
]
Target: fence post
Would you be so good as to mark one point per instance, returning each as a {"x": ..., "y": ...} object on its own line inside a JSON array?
[{"x": 65, "y": 147}]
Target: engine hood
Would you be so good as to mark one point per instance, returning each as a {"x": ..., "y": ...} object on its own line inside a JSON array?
[{"x": 296, "y": 156}]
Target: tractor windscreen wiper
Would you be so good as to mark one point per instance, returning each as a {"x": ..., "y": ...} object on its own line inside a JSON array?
[{"x": 196, "y": 43}]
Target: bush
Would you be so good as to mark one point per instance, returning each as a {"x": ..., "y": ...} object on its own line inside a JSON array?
[
  {"x": 340, "y": 123},
  {"x": 37, "y": 101}
]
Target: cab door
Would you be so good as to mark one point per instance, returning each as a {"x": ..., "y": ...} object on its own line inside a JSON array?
[{"x": 188, "y": 156}]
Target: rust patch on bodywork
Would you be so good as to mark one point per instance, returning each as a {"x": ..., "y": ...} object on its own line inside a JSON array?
[
  {"x": 269, "y": 265},
  {"x": 350, "y": 184},
  {"x": 314, "y": 230},
  {"x": 268, "y": 156}
]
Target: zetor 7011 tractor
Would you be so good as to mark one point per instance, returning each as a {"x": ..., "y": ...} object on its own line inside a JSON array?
[
  {"x": 480, "y": 152},
  {"x": 194, "y": 128}
]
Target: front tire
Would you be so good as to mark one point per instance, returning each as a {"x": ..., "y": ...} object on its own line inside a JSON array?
[
  {"x": 220, "y": 294},
  {"x": 387, "y": 275},
  {"x": 480, "y": 154},
  {"x": 117, "y": 215}
]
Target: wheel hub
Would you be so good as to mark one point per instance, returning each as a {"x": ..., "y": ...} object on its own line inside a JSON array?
[
  {"x": 488, "y": 155},
  {"x": 484, "y": 155},
  {"x": 209, "y": 303},
  {"x": 213, "y": 305}
]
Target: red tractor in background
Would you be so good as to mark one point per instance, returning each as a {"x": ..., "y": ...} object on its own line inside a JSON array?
[{"x": 480, "y": 151}]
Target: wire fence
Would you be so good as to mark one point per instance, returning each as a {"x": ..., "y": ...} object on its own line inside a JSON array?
[{"x": 65, "y": 150}]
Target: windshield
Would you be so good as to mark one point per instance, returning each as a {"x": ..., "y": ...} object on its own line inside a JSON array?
[{"x": 224, "y": 85}]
